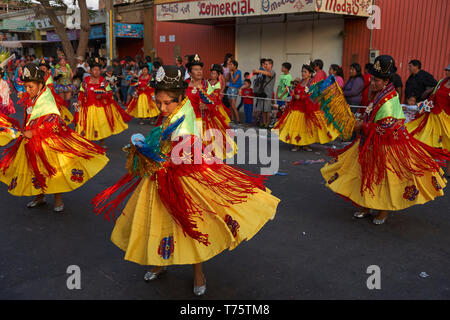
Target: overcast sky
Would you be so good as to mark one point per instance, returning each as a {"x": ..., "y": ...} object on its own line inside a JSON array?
[{"x": 93, "y": 4}]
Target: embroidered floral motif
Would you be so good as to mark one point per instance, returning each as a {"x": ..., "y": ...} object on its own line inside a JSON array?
[
  {"x": 233, "y": 225},
  {"x": 436, "y": 184},
  {"x": 13, "y": 184},
  {"x": 411, "y": 193},
  {"x": 83, "y": 133},
  {"x": 35, "y": 183},
  {"x": 333, "y": 178},
  {"x": 288, "y": 138},
  {"x": 166, "y": 247},
  {"x": 332, "y": 161},
  {"x": 298, "y": 138},
  {"x": 440, "y": 139},
  {"x": 77, "y": 175},
  {"x": 96, "y": 134}
]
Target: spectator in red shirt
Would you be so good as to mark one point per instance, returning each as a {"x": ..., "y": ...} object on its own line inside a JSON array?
[
  {"x": 320, "y": 74},
  {"x": 246, "y": 91}
]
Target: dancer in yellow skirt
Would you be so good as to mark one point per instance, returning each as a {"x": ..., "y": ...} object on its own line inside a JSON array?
[
  {"x": 63, "y": 105},
  {"x": 385, "y": 168},
  {"x": 216, "y": 133},
  {"x": 303, "y": 123},
  {"x": 48, "y": 157},
  {"x": 432, "y": 126},
  {"x": 143, "y": 105},
  {"x": 184, "y": 208},
  {"x": 216, "y": 91},
  {"x": 98, "y": 116}
]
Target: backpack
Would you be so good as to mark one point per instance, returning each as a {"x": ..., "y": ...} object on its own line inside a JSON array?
[{"x": 259, "y": 86}]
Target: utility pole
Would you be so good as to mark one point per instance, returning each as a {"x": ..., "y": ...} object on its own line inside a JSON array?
[{"x": 110, "y": 31}]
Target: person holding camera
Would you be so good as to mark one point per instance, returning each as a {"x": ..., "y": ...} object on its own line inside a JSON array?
[{"x": 264, "y": 88}]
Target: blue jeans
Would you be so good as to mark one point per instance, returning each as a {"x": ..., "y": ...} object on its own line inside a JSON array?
[
  {"x": 124, "y": 91},
  {"x": 248, "y": 110}
]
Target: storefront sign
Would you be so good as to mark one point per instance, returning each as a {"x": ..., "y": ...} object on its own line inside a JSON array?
[
  {"x": 17, "y": 25},
  {"x": 348, "y": 7},
  {"x": 72, "y": 34},
  {"x": 204, "y": 9},
  {"x": 127, "y": 30},
  {"x": 224, "y": 8}
]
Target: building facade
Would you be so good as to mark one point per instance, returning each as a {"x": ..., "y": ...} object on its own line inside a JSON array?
[{"x": 297, "y": 31}]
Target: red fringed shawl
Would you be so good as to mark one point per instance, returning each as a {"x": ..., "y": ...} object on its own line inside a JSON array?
[
  {"x": 49, "y": 130},
  {"x": 230, "y": 185},
  {"x": 386, "y": 145}
]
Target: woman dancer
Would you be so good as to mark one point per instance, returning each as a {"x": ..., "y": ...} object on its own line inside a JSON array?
[
  {"x": 143, "y": 105},
  {"x": 385, "y": 168},
  {"x": 98, "y": 115},
  {"x": 215, "y": 132},
  {"x": 303, "y": 123},
  {"x": 48, "y": 157},
  {"x": 182, "y": 210},
  {"x": 216, "y": 87}
]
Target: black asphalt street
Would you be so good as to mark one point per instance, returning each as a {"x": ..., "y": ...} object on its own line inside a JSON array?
[{"x": 313, "y": 249}]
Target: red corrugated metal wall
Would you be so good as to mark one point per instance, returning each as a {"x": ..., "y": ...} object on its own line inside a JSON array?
[
  {"x": 410, "y": 29},
  {"x": 210, "y": 42}
]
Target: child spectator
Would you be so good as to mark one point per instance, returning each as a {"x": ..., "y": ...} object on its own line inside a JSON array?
[
  {"x": 410, "y": 108},
  {"x": 246, "y": 91},
  {"x": 338, "y": 74},
  {"x": 284, "y": 84}
]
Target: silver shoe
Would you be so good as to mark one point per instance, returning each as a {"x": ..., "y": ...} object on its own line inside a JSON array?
[
  {"x": 360, "y": 214},
  {"x": 34, "y": 203},
  {"x": 150, "y": 276},
  {"x": 379, "y": 221},
  {"x": 59, "y": 208},
  {"x": 201, "y": 290}
]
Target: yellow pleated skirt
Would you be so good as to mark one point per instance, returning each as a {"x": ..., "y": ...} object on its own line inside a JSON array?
[
  {"x": 294, "y": 129},
  {"x": 344, "y": 178},
  {"x": 145, "y": 108},
  {"x": 66, "y": 115},
  {"x": 97, "y": 126},
  {"x": 436, "y": 132},
  {"x": 72, "y": 172},
  {"x": 149, "y": 236}
]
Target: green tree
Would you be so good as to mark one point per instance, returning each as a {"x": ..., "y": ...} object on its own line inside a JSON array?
[{"x": 54, "y": 8}]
